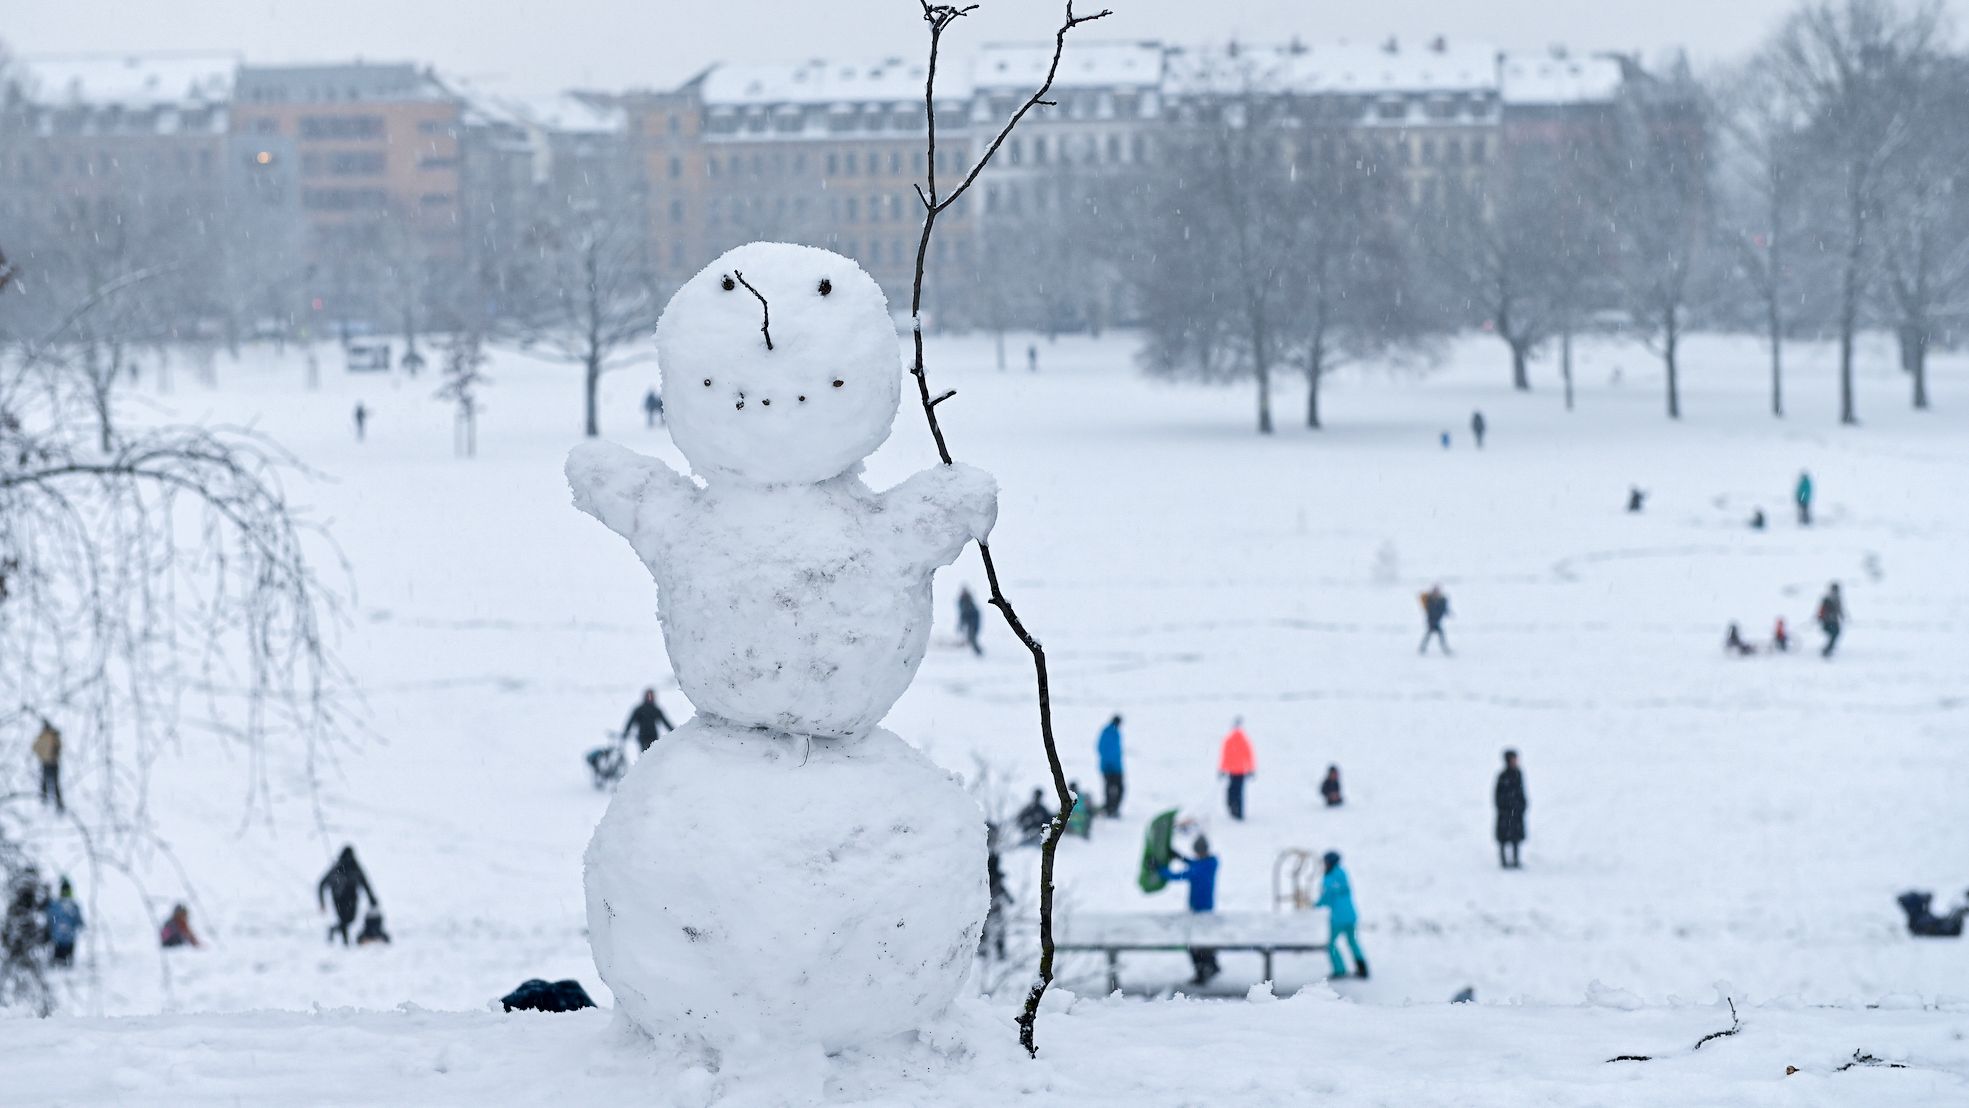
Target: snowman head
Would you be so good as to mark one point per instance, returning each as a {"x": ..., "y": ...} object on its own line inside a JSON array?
[{"x": 780, "y": 365}]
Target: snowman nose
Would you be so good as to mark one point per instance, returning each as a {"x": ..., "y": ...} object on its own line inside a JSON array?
[{"x": 765, "y": 309}]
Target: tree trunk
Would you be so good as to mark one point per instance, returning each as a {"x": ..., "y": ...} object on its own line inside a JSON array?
[
  {"x": 1520, "y": 354},
  {"x": 592, "y": 374},
  {"x": 1670, "y": 338},
  {"x": 1565, "y": 362},
  {"x": 999, "y": 335},
  {"x": 1774, "y": 324},
  {"x": 1919, "y": 369},
  {"x": 1849, "y": 295},
  {"x": 1264, "y": 376},
  {"x": 1314, "y": 371}
]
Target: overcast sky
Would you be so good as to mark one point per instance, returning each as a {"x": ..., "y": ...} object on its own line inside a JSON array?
[{"x": 535, "y": 46}]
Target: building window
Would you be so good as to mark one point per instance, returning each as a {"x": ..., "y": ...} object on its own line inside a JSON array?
[
  {"x": 676, "y": 211},
  {"x": 676, "y": 168},
  {"x": 341, "y": 126},
  {"x": 853, "y": 208},
  {"x": 852, "y": 163},
  {"x": 833, "y": 165},
  {"x": 356, "y": 163}
]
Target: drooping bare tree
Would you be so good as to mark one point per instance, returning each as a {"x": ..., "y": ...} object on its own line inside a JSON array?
[
  {"x": 1855, "y": 69},
  {"x": 157, "y": 588}
]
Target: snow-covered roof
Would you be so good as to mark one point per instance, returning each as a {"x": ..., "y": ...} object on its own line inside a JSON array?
[
  {"x": 1085, "y": 65},
  {"x": 1340, "y": 67},
  {"x": 132, "y": 80},
  {"x": 1550, "y": 78},
  {"x": 891, "y": 80},
  {"x": 563, "y": 112}
]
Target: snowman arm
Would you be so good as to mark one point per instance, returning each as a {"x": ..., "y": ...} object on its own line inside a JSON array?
[
  {"x": 624, "y": 489},
  {"x": 943, "y": 508}
]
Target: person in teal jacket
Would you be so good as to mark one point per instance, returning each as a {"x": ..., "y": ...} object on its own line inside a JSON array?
[
  {"x": 1337, "y": 897},
  {"x": 1803, "y": 495}
]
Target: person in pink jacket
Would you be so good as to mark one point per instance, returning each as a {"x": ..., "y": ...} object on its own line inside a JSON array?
[{"x": 1236, "y": 763}]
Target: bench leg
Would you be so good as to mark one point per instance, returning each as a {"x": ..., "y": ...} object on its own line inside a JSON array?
[
  {"x": 1114, "y": 972},
  {"x": 1268, "y": 966}
]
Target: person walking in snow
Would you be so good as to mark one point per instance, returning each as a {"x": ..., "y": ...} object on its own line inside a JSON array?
[
  {"x": 1509, "y": 796},
  {"x": 1337, "y": 897},
  {"x": 1032, "y": 357},
  {"x": 652, "y": 408},
  {"x": 1435, "y": 609},
  {"x": 1635, "y": 498},
  {"x": 1236, "y": 763},
  {"x": 1802, "y": 495},
  {"x": 177, "y": 929},
  {"x": 342, "y": 884},
  {"x": 970, "y": 620},
  {"x": 1832, "y": 617},
  {"x": 48, "y": 751},
  {"x": 1108, "y": 746},
  {"x": 645, "y": 720},
  {"x": 1478, "y": 427},
  {"x": 64, "y": 924},
  {"x": 1200, "y": 870},
  {"x": 362, "y": 421},
  {"x": 1780, "y": 638},
  {"x": 1330, "y": 787}
]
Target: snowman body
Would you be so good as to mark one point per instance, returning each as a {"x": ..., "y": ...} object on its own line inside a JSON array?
[{"x": 780, "y": 870}]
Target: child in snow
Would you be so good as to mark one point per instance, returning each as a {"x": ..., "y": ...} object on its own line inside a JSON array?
[
  {"x": 970, "y": 620},
  {"x": 1330, "y": 787},
  {"x": 1200, "y": 871},
  {"x": 1734, "y": 643},
  {"x": 1635, "y": 498},
  {"x": 372, "y": 928},
  {"x": 64, "y": 924},
  {"x": 1033, "y": 818},
  {"x": 1780, "y": 638},
  {"x": 1080, "y": 818},
  {"x": 1236, "y": 763},
  {"x": 177, "y": 929},
  {"x": 1337, "y": 897}
]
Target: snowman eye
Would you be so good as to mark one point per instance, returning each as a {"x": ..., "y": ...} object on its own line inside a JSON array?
[
  {"x": 837, "y": 382},
  {"x": 707, "y": 382},
  {"x": 727, "y": 283},
  {"x": 826, "y": 286}
]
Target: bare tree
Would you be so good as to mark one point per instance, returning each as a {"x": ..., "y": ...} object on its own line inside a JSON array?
[
  {"x": 157, "y": 590},
  {"x": 1654, "y": 168},
  {"x": 1490, "y": 248},
  {"x": 935, "y": 202},
  {"x": 1925, "y": 225},
  {"x": 587, "y": 294},
  {"x": 1763, "y": 162},
  {"x": 1854, "y": 68},
  {"x": 464, "y": 376}
]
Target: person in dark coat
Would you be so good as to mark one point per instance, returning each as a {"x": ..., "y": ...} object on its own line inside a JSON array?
[
  {"x": 344, "y": 883},
  {"x": 992, "y": 939},
  {"x": 1034, "y": 818},
  {"x": 645, "y": 720},
  {"x": 1478, "y": 427},
  {"x": 652, "y": 408},
  {"x": 362, "y": 421},
  {"x": 1330, "y": 787},
  {"x": 1108, "y": 747},
  {"x": 177, "y": 929},
  {"x": 1435, "y": 609},
  {"x": 970, "y": 620},
  {"x": 372, "y": 928},
  {"x": 1635, "y": 498},
  {"x": 1509, "y": 796},
  {"x": 1832, "y": 617},
  {"x": 1733, "y": 642}
]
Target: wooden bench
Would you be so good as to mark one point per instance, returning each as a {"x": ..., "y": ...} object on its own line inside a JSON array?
[{"x": 1114, "y": 933}]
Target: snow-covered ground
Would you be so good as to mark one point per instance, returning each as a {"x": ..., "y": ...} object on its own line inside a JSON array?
[{"x": 1694, "y": 819}]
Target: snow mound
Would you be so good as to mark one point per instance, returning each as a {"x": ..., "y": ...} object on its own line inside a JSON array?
[{"x": 746, "y": 887}]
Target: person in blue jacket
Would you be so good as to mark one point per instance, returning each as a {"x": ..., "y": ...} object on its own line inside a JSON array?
[
  {"x": 1109, "y": 748},
  {"x": 1337, "y": 897},
  {"x": 1201, "y": 873},
  {"x": 64, "y": 924}
]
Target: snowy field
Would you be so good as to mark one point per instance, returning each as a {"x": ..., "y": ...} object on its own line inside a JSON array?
[{"x": 1700, "y": 825}]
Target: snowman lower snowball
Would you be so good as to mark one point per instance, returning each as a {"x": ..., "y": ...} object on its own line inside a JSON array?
[{"x": 780, "y": 870}]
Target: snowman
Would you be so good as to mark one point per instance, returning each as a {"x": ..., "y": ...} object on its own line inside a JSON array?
[{"x": 780, "y": 871}]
